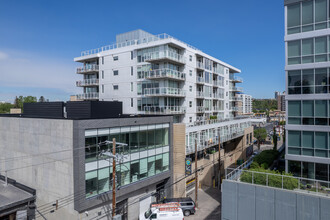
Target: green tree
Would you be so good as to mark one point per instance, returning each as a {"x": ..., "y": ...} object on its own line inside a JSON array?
[
  {"x": 260, "y": 134},
  {"x": 5, "y": 107},
  {"x": 19, "y": 101},
  {"x": 274, "y": 139}
]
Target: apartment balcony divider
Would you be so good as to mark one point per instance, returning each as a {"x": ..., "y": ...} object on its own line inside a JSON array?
[
  {"x": 164, "y": 110},
  {"x": 166, "y": 54},
  {"x": 90, "y": 68},
  {"x": 87, "y": 82},
  {"x": 164, "y": 91},
  {"x": 166, "y": 73},
  {"x": 88, "y": 96}
]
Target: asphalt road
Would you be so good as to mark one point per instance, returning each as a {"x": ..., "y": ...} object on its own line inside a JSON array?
[{"x": 208, "y": 205}]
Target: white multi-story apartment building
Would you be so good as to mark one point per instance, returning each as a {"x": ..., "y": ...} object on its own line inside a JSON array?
[
  {"x": 246, "y": 103},
  {"x": 307, "y": 42},
  {"x": 159, "y": 74}
]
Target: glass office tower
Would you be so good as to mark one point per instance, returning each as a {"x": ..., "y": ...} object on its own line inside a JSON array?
[{"x": 307, "y": 43}]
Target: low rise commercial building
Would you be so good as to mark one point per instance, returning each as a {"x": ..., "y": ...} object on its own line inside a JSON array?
[{"x": 66, "y": 157}]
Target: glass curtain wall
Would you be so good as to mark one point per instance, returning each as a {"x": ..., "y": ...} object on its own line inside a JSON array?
[{"x": 145, "y": 152}]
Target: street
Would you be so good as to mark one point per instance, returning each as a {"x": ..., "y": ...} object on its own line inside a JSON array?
[{"x": 208, "y": 204}]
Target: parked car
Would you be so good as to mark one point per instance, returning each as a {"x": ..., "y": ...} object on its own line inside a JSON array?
[
  {"x": 166, "y": 211},
  {"x": 186, "y": 204}
]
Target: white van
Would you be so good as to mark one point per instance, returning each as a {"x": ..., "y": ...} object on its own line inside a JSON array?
[{"x": 167, "y": 211}]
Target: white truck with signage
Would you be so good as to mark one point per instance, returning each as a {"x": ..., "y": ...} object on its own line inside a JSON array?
[{"x": 167, "y": 211}]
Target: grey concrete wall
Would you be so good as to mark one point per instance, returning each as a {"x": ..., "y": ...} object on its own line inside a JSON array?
[
  {"x": 243, "y": 201},
  {"x": 25, "y": 137}
]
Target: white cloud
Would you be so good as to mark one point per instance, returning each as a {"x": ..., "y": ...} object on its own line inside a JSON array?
[
  {"x": 3, "y": 56},
  {"x": 19, "y": 69}
]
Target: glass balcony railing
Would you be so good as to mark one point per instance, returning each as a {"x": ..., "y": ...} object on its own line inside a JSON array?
[
  {"x": 164, "y": 110},
  {"x": 88, "y": 68},
  {"x": 200, "y": 94},
  {"x": 235, "y": 99},
  {"x": 164, "y": 91},
  {"x": 87, "y": 82},
  {"x": 165, "y": 73},
  {"x": 167, "y": 54},
  {"x": 236, "y": 79},
  {"x": 199, "y": 65},
  {"x": 145, "y": 40},
  {"x": 88, "y": 96},
  {"x": 200, "y": 79},
  {"x": 236, "y": 89},
  {"x": 200, "y": 109}
]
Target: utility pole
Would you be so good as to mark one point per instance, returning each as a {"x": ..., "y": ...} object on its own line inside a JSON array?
[
  {"x": 196, "y": 174},
  {"x": 114, "y": 177}
]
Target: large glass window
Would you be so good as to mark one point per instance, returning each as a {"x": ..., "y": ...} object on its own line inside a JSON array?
[
  {"x": 308, "y": 50},
  {"x": 137, "y": 163},
  {"x": 293, "y": 18},
  {"x": 294, "y": 108},
  {"x": 307, "y": 16},
  {"x": 294, "y": 138},
  {"x": 308, "y": 170},
  {"x": 294, "y": 52}
]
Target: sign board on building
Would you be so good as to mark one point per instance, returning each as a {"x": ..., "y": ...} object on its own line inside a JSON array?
[{"x": 188, "y": 166}]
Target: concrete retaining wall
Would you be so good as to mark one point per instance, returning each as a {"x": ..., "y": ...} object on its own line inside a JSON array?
[{"x": 243, "y": 201}]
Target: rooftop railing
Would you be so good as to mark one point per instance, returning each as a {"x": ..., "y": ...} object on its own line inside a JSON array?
[
  {"x": 146, "y": 40},
  {"x": 87, "y": 82},
  {"x": 165, "y": 73},
  {"x": 164, "y": 91},
  {"x": 88, "y": 68},
  {"x": 88, "y": 96},
  {"x": 164, "y": 110}
]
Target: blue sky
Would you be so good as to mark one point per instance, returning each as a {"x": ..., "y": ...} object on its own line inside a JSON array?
[{"x": 39, "y": 39}]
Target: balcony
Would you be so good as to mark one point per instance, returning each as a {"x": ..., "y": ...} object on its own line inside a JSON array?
[
  {"x": 217, "y": 96},
  {"x": 164, "y": 110},
  {"x": 164, "y": 56},
  {"x": 200, "y": 109},
  {"x": 217, "y": 83},
  {"x": 91, "y": 68},
  {"x": 88, "y": 96},
  {"x": 164, "y": 91},
  {"x": 200, "y": 65},
  {"x": 166, "y": 74},
  {"x": 87, "y": 82},
  {"x": 200, "y": 80},
  {"x": 200, "y": 94},
  {"x": 235, "y": 99},
  {"x": 216, "y": 109},
  {"x": 236, "y": 79},
  {"x": 236, "y": 89}
]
